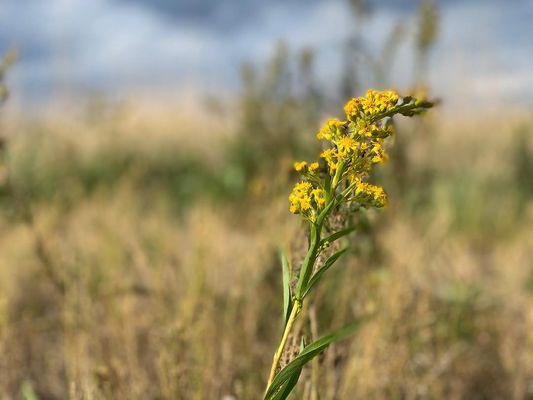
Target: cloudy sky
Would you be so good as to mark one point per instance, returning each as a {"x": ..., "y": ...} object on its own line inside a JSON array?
[{"x": 484, "y": 54}]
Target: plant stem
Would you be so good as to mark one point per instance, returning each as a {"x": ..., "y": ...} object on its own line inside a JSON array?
[
  {"x": 279, "y": 352},
  {"x": 309, "y": 261},
  {"x": 305, "y": 272}
]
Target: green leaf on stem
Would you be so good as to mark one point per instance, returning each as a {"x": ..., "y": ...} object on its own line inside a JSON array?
[
  {"x": 287, "y": 305},
  {"x": 327, "y": 265},
  {"x": 286, "y": 379},
  {"x": 287, "y": 386},
  {"x": 338, "y": 235}
]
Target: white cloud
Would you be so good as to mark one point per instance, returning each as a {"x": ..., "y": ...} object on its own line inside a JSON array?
[{"x": 113, "y": 45}]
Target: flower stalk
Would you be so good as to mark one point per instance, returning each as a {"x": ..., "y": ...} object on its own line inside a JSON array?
[
  {"x": 279, "y": 352},
  {"x": 355, "y": 146}
]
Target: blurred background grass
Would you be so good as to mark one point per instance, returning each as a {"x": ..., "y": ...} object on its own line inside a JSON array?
[{"x": 138, "y": 243}]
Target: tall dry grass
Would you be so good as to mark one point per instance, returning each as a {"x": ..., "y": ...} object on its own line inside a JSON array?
[{"x": 131, "y": 268}]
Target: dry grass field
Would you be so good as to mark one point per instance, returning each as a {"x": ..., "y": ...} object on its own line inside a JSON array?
[
  {"x": 138, "y": 261},
  {"x": 144, "y": 213}
]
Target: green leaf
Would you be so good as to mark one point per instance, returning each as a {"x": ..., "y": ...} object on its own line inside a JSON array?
[
  {"x": 327, "y": 265},
  {"x": 287, "y": 306},
  {"x": 291, "y": 371},
  {"x": 338, "y": 235},
  {"x": 287, "y": 386}
]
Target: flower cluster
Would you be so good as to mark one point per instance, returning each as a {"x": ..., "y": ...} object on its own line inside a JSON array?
[
  {"x": 374, "y": 103},
  {"x": 305, "y": 198},
  {"x": 355, "y": 145}
]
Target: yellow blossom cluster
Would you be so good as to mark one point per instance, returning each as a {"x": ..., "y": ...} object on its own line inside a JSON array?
[
  {"x": 375, "y": 102},
  {"x": 306, "y": 199},
  {"x": 355, "y": 145},
  {"x": 303, "y": 167},
  {"x": 369, "y": 195},
  {"x": 331, "y": 130}
]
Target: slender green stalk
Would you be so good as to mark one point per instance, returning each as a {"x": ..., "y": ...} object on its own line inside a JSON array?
[
  {"x": 306, "y": 271},
  {"x": 309, "y": 261},
  {"x": 305, "y": 275},
  {"x": 288, "y": 328}
]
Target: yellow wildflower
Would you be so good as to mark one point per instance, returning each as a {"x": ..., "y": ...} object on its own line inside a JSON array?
[
  {"x": 378, "y": 154},
  {"x": 356, "y": 145},
  {"x": 331, "y": 130},
  {"x": 375, "y": 102},
  {"x": 299, "y": 166},
  {"x": 313, "y": 167},
  {"x": 300, "y": 199},
  {"x": 370, "y": 195},
  {"x": 330, "y": 156},
  {"x": 346, "y": 146},
  {"x": 319, "y": 197},
  {"x": 352, "y": 107},
  {"x": 379, "y": 101}
]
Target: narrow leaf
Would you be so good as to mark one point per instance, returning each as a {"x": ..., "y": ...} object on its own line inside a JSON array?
[
  {"x": 327, "y": 265},
  {"x": 338, "y": 235},
  {"x": 294, "y": 367},
  {"x": 287, "y": 386},
  {"x": 287, "y": 306}
]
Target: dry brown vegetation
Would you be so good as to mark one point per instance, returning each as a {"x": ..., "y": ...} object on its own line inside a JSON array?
[{"x": 132, "y": 266}]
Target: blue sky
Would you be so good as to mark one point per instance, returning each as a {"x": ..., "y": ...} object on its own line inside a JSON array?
[{"x": 484, "y": 55}]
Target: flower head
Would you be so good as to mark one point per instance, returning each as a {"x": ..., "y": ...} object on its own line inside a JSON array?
[
  {"x": 346, "y": 146},
  {"x": 300, "y": 166},
  {"x": 374, "y": 103},
  {"x": 306, "y": 199},
  {"x": 356, "y": 144},
  {"x": 330, "y": 156},
  {"x": 378, "y": 154},
  {"x": 369, "y": 195},
  {"x": 300, "y": 199},
  {"x": 332, "y": 129}
]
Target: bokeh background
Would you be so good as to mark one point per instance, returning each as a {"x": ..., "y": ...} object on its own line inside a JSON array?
[{"x": 146, "y": 150}]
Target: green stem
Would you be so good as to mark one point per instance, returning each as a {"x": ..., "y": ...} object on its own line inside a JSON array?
[
  {"x": 316, "y": 228},
  {"x": 402, "y": 108},
  {"x": 309, "y": 261},
  {"x": 279, "y": 352},
  {"x": 306, "y": 271}
]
